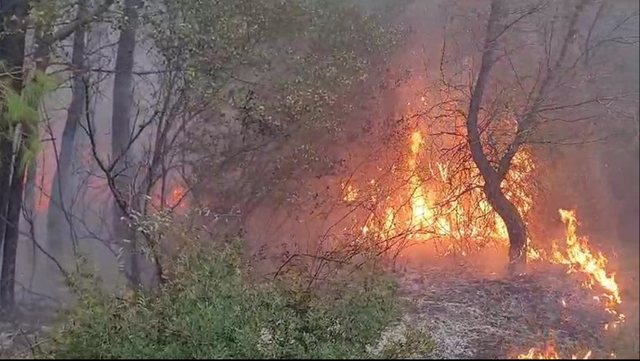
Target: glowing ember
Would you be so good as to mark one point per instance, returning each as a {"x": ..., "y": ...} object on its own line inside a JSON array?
[
  {"x": 350, "y": 194},
  {"x": 548, "y": 353},
  {"x": 176, "y": 195},
  {"x": 175, "y": 198}
]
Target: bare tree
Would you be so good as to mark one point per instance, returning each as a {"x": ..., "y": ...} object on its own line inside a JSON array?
[
  {"x": 56, "y": 222},
  {"x": 121, "y": 133},
  {"x": 515, "y": 100}
]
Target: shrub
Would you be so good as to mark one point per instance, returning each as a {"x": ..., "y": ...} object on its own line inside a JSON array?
[{"x": 209, "y": 309}]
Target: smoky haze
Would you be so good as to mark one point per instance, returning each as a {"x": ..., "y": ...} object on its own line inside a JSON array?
[{"x": 590, "y": 165}]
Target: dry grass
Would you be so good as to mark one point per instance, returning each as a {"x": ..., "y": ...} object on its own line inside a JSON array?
[
  {"x": 470, "y": 316},
  {"x": 626, "y": 340}
]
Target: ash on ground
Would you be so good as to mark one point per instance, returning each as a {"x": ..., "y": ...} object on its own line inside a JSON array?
[{"x": 472, "y": 315}]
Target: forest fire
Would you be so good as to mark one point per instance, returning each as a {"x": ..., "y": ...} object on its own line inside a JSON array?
[
  {"x": 426, "y": 210},
  {"x": 449, "y": 207},
  {"x": 446, "y": 205},
  {"x": 580, "y": 258},
  {"x": 549, "y": 353},
  {"x": 441, "y": 201},
  {"x": 175, "y": 198}
]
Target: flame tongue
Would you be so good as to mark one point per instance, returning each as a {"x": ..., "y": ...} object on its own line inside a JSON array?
[
  {"x": 580, "y": 258},
  {"x": 548, "y": 353}
]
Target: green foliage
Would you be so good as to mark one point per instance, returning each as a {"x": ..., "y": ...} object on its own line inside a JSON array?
[
  {"x": 23, "y": 108},
  {"x": 44, "y": 14},
  {"x": 209, "y": 309},
  {"x": 268, "y": 74},
  {"x": 297, "y": 57}
]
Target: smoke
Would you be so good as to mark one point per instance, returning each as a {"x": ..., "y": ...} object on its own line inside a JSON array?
[{"x": 600, "y": 180}]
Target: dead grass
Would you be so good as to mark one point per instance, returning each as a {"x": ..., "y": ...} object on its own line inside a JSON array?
[
  {"x": 626, "y": 340},
  {"x": 470, "y": 316}
]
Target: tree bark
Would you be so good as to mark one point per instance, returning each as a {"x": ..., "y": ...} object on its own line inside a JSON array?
[
  {"x": 6, "y": 156},
  {"x": 10, "y": 247},
  {"x": 13, "y": 29},
  {"x": 121, "y": 136},
  {"x": 516, "y": 228},
  {"x": 57, "y": 222}
]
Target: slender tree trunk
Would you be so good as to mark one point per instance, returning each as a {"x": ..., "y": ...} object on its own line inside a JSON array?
[
  {"x": 10, "y": 246},
  {"x": 121, "y": 134},
  {"x": 13, "y": 29},
  {"x": 6, "y": 156},
  {"x": 516, "y": 228},
  {"x": 57, "y": 222}
]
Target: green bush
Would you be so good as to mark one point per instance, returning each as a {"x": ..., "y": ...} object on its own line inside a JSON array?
[{"x": 209, "y": 309}]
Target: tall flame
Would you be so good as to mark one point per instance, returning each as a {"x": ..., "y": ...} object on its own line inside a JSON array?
[
  {"x": 440, "y": 204},
  {"x": 579, "y": 257},
  {"x": 421, "y": 214}
]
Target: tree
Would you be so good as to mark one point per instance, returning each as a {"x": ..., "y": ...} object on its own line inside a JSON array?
[
  {"x": 517, "y": 101},
  {"x": 21, "y": 100},
  {"x": 11, "y": 168},
  {"x": 121, "y": 136},
  {"x": 212, "y": 60},
  {"x": 56, "y": 220}
]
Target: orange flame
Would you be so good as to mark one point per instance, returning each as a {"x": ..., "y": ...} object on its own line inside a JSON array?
[
  {"x": 175, "y": 198},
  {"x": 427, "y": 209},
  {"x": 579, "y": 257},
  {"x": 176, "y": 195},
  {"x": 548, "y": 353}
]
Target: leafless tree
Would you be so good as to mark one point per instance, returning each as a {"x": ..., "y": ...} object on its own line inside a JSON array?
[{"x": 516, "y": 97}]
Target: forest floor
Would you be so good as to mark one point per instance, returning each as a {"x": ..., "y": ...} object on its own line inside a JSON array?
[
  {"x": 468, "y": 314},
  {"x": 22, "y": 336}
]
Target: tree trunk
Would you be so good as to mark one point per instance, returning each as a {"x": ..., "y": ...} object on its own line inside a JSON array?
[
  {"x": 13, "y": 29},
  {"x": 57, "y": 222},
  {"x": 6, "y": 156},
  {"x": 516, "y": 227},
  {"x": 121, "y": 136},
  {"x": 10, "y": 246}
]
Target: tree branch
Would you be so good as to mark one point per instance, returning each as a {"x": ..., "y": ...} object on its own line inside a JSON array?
[{"x": 68, "y": 29}]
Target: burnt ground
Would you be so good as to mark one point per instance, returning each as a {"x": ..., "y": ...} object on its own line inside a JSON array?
[{"x": 471, "y": 315}]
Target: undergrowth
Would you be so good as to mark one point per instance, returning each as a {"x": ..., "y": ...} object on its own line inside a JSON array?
[{"x": 208, "y": 308}]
